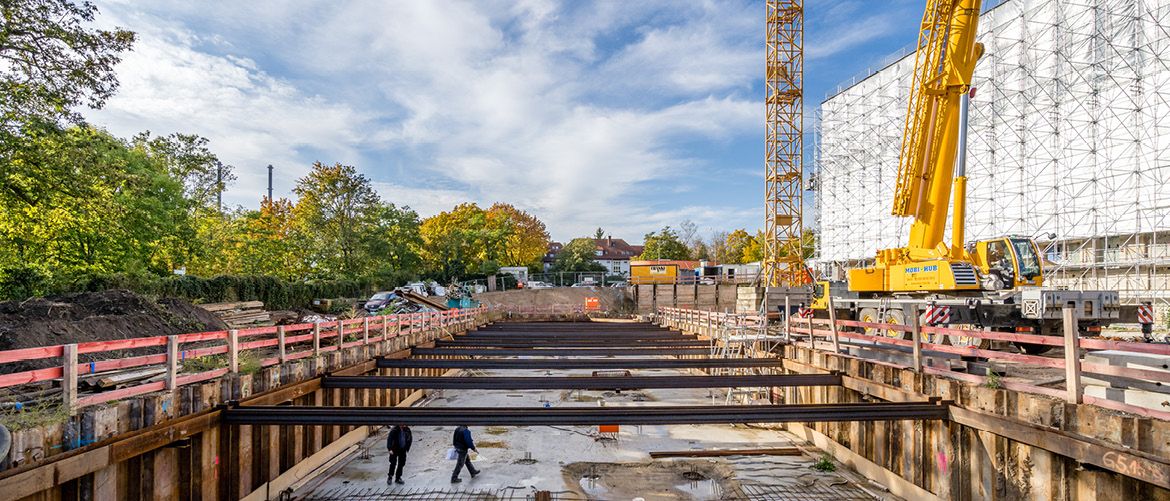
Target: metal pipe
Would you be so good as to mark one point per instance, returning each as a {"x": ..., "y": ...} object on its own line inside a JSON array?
[{"x": 959, "y": 185}]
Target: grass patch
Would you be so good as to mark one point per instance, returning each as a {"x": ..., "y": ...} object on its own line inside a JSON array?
[
  {"x": 825, "y": 464},
  {"x": 491, "y": 444},
  {"x": 250, "y": 363},
  {"x": 495, "y": 430},
  {"x": 205, "y": 363},
  {"x": 34, "y": 416},
  {"x": 993, "y": 381}
]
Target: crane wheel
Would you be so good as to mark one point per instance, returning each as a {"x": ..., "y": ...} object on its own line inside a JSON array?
[
  {"x": 967, "y": 341},
  {"x": 892, "y": 317}
]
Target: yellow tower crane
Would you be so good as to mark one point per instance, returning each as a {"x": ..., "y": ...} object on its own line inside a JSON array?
[{"x": 783, "y": 263}]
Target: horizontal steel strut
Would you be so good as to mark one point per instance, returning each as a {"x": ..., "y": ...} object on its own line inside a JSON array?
[
  {"x": 558, "y": 352},
  {"x": 577, "y": 363},
  {"x": 581, "y": 416},
  {"x": 579, "y": 382},
  {"x": 573, "y": 343}
]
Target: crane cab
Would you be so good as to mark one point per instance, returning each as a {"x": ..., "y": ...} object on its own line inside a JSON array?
[{"x": 1007, "y": 262}]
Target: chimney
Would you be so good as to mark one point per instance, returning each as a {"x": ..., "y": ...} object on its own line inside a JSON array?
[{"x": 609, "y": 240}]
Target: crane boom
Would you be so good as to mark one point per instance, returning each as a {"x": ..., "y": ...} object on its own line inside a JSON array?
[{"x": 944, "y": 64}]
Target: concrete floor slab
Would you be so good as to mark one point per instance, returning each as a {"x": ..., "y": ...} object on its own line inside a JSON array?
[{"x": 580, "y": 463}]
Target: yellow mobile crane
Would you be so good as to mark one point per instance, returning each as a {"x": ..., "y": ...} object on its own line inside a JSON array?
[
  {"x": 932, "y": 166},
  {"x": 994, "y": 284}
]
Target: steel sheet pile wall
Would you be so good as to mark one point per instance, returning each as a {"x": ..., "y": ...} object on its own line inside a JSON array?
[{"x": 1070, "y": 136}]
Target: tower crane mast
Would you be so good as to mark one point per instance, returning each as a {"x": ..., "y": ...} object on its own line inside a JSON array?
[{"x": 783, "y": 263}]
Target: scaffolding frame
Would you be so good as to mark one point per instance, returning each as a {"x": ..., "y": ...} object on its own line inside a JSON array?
[{"x": 1069, "y": 144}]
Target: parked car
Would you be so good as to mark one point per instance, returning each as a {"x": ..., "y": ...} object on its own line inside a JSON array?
[
  {"x": 618, "y": 284},
  {"x": 536, "y": 284},
  {"x": 419, "y": 288},
  {"x": 585, "y": 284},
  {"x": 379, "y": 301}
]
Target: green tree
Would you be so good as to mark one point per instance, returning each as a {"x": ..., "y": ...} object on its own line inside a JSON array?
[
  {"x": 189, "y": 160},
  {"x": 754, "y": 249},
  {"x": 117, "y": 209},
  {"x": 453, "y": 242},
  {"x": 522, "y": 238},
  {"x": 664, "y": 244},
  {"x": 578, "y": 255},
  {"x": 599, "y": 233},
  {"x": 336, "y": 213},
  {"x": 734, "y": 246},
  {"x": 54, "y": 61},
  {"x": 395, "y": 239}
]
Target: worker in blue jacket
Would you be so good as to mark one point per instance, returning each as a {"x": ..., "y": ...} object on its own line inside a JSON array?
[
  {"x": 463, "y": 443},
  {"x": 398, "y": 443}
]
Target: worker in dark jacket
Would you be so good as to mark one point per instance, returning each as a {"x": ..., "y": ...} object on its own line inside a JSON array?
[
  {"x": 398, "y": 443},
  {"x": 462, "y": 443}
]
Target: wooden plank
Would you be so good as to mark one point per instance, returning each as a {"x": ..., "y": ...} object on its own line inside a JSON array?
[
  {"x": 69, "y": 377},
  {"x": 870, "y": 469},
  {"x": 154, "y": 437},
  {"x": 172, "y": 362},
  {"x": 1072, "y": 356},
  {"x": 711, "y": 453},
  {"x": 35, "y": 353},
  {"x": 239, "y": 305},
  {"x": 234, "y": 351}
]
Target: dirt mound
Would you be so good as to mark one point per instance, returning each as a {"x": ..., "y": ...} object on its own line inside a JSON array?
[{"x": 94, "y": 316}]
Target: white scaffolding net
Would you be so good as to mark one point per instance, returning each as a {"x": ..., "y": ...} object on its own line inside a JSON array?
[{"x": 1069, "y": 144}]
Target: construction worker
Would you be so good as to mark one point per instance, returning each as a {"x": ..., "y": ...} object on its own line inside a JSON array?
[
  {"x": 398, "y": 443},
  {"x": 463, "y": 443}
]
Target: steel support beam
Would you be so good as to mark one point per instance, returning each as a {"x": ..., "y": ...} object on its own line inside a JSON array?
[
  {"x": 579, "y": 383},
  {"x": 558, "y": 352},
  {"x": 582, "y": 416},
  {"x": 572, "y": 343},
  {"x": 578, "y": 363},
  {"x": 578, "y": 335}
]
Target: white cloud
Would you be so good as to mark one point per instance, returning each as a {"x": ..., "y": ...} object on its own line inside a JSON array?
[{"x": 580, "y": 115}]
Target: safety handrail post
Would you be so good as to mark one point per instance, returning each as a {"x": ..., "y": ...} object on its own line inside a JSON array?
[
  {"x": 69, "y": 377},
  {"x": 233, "y": 340},
  {"x": 1072, "y": 356},
  {"x": 916, "y": 336},
  {"x": 282, "y": 352},
  {"x": 172, "y": 362}
]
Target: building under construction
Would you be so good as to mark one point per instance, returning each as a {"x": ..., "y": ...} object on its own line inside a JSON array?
[{"x": 1068, "y": 144}]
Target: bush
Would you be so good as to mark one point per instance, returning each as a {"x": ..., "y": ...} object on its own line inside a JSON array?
[
  {"x": 22, "y": 282},
  {"x": 19, "y": 284}
]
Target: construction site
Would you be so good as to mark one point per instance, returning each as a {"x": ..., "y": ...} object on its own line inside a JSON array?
[{"x": 986, "y": 316}]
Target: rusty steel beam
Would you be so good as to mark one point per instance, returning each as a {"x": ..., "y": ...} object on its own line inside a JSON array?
[
  {"x": 558, "y": 352},
  {"x": 578, "y": 363},
  {"x": 583, "y": 416},
  {"x": 573, "y": 343}
]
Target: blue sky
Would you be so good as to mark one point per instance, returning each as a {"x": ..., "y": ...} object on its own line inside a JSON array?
[{"x": 624, "y": 115}]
